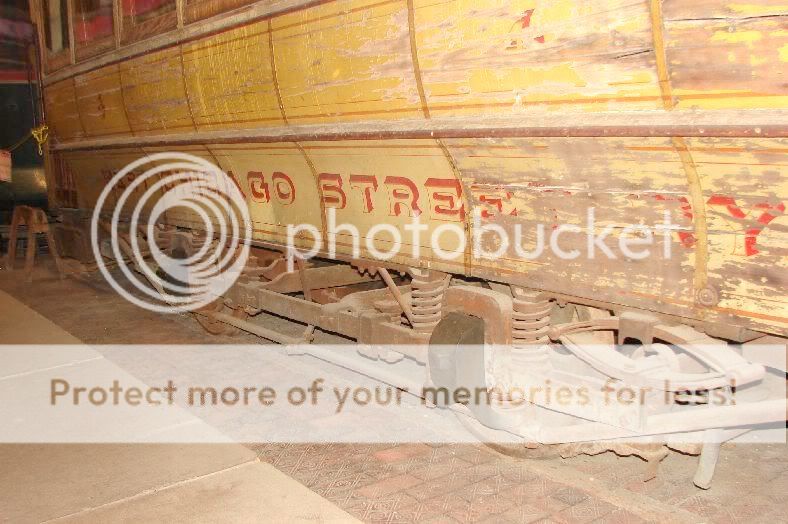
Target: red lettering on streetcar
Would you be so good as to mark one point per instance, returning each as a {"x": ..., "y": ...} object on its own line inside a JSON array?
[
  {"x": 331, "y": 190},
  {"x": 367, "y": 184},
  {"x": 258, "y": 187},
  {"x": 284, "y": 189},
  {"x": 403, "y": 193},
  {"x": 446, "y": 199}
]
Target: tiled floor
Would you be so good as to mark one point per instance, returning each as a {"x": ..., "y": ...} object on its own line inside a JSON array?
[
  {"x": 450, "y": 482},
  {"x": 464, "y": 483}
]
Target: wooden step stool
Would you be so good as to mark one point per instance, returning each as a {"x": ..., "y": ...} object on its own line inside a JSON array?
[{"x": 37, "y": 223}]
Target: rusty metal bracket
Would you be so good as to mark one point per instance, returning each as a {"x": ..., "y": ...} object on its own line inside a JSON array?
[
  {"x": 308, "y": 279},
  {"x": 638, "y": 326},
  {"x": 493, "y": 307}
]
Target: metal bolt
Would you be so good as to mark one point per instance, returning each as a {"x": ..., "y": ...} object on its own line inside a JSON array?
[{"x": 708, "y": 296}]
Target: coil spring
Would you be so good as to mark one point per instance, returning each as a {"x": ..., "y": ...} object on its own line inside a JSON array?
[
  {"x": 427, "y": 288},
  {"x": 531, "y": 319}
]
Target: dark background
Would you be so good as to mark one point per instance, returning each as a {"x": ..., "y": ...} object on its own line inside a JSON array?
[{"x": 27, "y": 184}]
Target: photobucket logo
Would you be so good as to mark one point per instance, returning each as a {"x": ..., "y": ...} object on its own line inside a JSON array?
[
  {"x": 142, "y": 194},
  {"x": 488, "y": 240}
]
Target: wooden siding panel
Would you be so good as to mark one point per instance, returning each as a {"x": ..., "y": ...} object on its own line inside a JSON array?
[
  {"x": 379, "y": 169},
  {"x": 253, "y": 168},
  {"x": 745, "y": 188},
  {"x": 675, "y": 10},
  {"x": 739, "y": 61},
  {"x": 230, "y": 80},
  {"x": 496, "y": 57},
  {"x": 100, "y": 102},
  {"x": 346, "y": 60},
  {"x": 155, "y": 93},
  {"x": 62, "y": 112},
  {"x": 92, "y": 172}
]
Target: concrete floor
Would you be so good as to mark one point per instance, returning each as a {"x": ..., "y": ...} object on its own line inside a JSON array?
[
  {"x": 126, "y": 482},
  {"x": 413, "y": 482}
]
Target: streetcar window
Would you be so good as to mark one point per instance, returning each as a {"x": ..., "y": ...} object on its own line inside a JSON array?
[
  {"x": 201, "y": 9},
  {"x": 92, "y": 20},
  {"x": 56, "y": 25},
  {"x": 144, "y": 18}
]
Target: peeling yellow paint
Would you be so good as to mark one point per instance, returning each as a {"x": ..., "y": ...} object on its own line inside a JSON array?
[
  {"x": 738, "y": 37},
  {"x": 754, "y": 9}
]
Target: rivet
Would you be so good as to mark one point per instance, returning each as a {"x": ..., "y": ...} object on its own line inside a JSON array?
[{"x": 707, "y": 296}]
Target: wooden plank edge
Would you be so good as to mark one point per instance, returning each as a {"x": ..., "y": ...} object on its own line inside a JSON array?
[{"x": 687, "y": 124}]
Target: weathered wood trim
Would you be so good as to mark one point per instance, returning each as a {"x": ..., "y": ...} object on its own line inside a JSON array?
[
  {"x": 414, "y": 56},
  {"x": 37, "y": 17},
  {"x": 180, "y": 9},
  {"x": 72, "y": 41},
  {"x": 734, "y": 123},
  {"x": 82, "y": 127},
  {"x": 185, "y": 91},
  {"x": 698, "y": 203},
  {"x": 189, "y": 32},
  {"x": 274, "y": 76},
  {"x": 697, "y": 200},
  {"x": 661, "y": 58},
  {"x": 117, "y": 23},
  {"x": 315, "y": 177},
  {"x": 88, "y": 50},
  {"x": 466, "y": 196},
  {"x": 57, "y": 61}
]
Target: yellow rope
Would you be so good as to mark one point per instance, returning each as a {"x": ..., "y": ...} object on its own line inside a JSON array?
[{"x": 41, "y": 134}]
